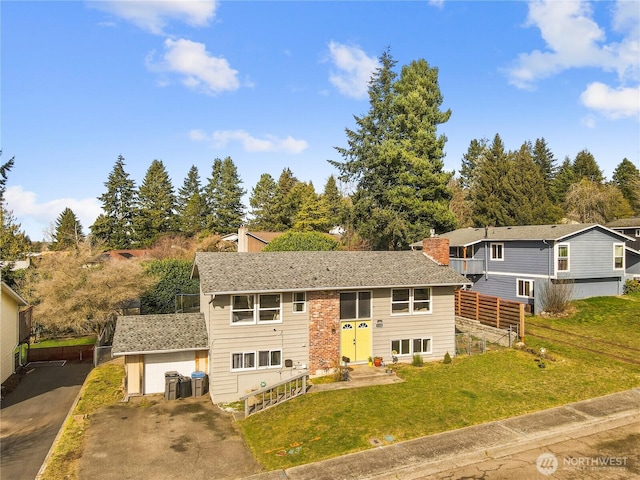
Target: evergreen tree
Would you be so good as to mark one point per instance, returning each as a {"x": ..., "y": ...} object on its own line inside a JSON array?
[
  {"x": 312, "y": 212},
  {"x": 115, "y": 226},
  {"x": 263, "y": 212},
  {"x": 213, "y": 196},
  {"x": 459, "y": 205},
  {"x": 396, "y": 158},
  {"x": 284, "y": 205},
  {"x": 525, "y": 193},
  {"x": 627, "y": 178},
  {"x": 488, "y": 192},
  {"x": 156, "y": 205},
  {"x": 14, "y": 243},
  {"x": 470, "y": 162},
  {"x": 544, "y": 159},
  {"x": 585, "y": 166},
  {"x": 335, "y": 203},
  {"x": 191, "y": 205},
  {"x": 563, "y": 180},
  {"x": 68, "y": 231},
  {"x": 229, "y": 213}
]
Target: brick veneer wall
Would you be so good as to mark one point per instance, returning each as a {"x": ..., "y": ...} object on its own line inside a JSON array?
[{"x": 324, "y": 329}]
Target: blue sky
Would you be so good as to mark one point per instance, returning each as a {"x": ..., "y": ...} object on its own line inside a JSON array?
[{"x": 275, "y": 84}]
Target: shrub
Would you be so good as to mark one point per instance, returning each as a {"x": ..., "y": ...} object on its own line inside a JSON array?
[
  {"x": 417, "y": 361},
  {"x": 447, "y": 358},
  {"x": 555, "y": 297},
  {"x": 631, "y": 286},
  {"x": 302, "y": 241}
]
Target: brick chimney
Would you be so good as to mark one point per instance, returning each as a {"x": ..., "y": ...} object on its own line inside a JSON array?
[{"x": 437, "y": 249}]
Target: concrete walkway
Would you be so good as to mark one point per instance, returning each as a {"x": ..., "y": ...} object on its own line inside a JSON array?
[{"x": 429, "y": 456}]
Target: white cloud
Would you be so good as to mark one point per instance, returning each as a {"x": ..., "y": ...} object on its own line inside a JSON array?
[
  {"x": 36, "y": 217},
  {"x": 353, "y": 69},
  {"x": 153, "y": 15},
  {"x": 613, "y": 103},
  {"x": 436, "y": 3},
  {"x": 269, "y": 143},
  {"x": 200, "y": 70},
  {"x": 575, "y": 40}
]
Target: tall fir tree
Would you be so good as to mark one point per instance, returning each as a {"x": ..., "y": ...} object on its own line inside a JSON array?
[
  {"x": 562, "y": 182},
  {"x": 213, "y": 196},
  {"x": 585, "y": 166},
  {"x": 68, "y": 231},
  {"x": 114, "y": 227},
  {"x": 191, "y": 205},
  {"x": 395, "y": 158},
  {"x": 229, "y": 213},
  {"x": 544, "y": 159},
  {"x": 261, "y": 201},
  {"x": 283, "y": 203},
  {"x": 311, "y": 211},
  {"x": 626, "y": 177},
  {"x": 524, "y": 192},
  {"x": 335, "y": 202},
  {"x": 489, "y": 201},
  {"x": 155, "y": 207},
  {"x": 470, "y": 161}
]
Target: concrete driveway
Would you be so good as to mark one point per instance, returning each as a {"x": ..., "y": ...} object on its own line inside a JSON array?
[
  {"x": 32, "y": 414},
  {"x": 165, "y": 439}
]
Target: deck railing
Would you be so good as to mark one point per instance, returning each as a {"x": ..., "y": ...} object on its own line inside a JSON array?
[{"x": 260, "y": 400}]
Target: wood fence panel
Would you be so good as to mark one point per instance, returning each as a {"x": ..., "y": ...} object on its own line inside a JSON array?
[{"x": 490, "y": 310}]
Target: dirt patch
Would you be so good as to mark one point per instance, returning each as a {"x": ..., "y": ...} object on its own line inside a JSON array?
[{"x": 155, "y": 438}]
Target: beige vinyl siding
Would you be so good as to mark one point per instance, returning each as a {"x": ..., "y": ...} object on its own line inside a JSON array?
[
  {"x": 8, "y": 334},
  {"x": 291, "y": 336},
  {"x": 439, "y": 325}
]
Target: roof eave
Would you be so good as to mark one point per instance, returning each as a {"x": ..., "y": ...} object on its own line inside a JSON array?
[{"x": 150, "y": 352}]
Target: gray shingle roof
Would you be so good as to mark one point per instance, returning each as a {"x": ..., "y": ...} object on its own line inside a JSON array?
[
  {"x": 159, "y": 333},
  {"x": 633, "y": 222},
  {"x": 229, "y": 272},
  {"x": 468, "y": 236}
]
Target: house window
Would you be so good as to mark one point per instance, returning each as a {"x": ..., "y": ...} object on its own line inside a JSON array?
[
  {"x": 408, "y": 346},
  {"x": 355, "y": 305},
  {"x": 563, "y": 257},
  {"x": 269, "y": 358},
  {"x": 618, "y": 256},
  {"x": 525, "y": 288},
  {"x": 497, "y": 251},
  {"x": 638, "y": 232},
  {"x": 243, "y": 361},
  {"x": 245, "y": 309},
  {"x": 299, "y": 302},
  {"x": 407, "y": 301},
  {"x": 421, "y": 345}
]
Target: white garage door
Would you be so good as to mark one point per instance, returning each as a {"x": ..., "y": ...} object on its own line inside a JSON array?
[{"x": 156, "y": 364}]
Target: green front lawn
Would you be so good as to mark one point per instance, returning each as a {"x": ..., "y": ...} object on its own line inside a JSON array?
[
  {"x": 65, "y": 342},
  {"x": 437, "y": 397}
]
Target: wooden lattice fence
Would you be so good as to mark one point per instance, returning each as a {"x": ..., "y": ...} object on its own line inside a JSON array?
[{"x": 492, "y": 311}]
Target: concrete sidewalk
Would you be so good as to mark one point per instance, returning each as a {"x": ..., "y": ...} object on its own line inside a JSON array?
[{"x": 438, "y": 453}]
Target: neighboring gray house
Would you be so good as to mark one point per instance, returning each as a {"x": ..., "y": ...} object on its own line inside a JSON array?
[
  {"x": 154, "y": 344},
  {"x": 271, "y": 316},
  {"x": 631, "y": 228},
  {"x": 516, "y": 263}
]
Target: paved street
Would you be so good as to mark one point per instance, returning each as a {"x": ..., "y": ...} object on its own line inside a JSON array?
[{"x": 33, "y": 413}]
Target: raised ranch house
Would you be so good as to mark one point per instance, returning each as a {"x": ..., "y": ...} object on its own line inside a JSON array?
[
  {"x": 517, "y": 263},
  {"x": 271, "y": 316}
]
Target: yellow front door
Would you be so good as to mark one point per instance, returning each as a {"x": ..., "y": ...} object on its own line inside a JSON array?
[{"x": 355, "y": 340}]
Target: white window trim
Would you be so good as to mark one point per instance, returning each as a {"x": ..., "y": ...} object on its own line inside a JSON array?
[
  {"x": 496, "y": 259},
  {"x": 256, "y": 360},
  {"x": 531, "y": 286},
  {"x": 568, "y": 245},
  {"x": 411, "y": 340},
  {"x": 256, "y": 311},
  {"x": 614, "y": 256},
  {"x": 294, "y": 302},
  {"x": 412, "y": 302}
]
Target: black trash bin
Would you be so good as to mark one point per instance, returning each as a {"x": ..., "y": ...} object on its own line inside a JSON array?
[
  {"x": 199, "y": 383},
  {"x": 184, "y": 387},
  {"x": 171, "y": 381}
]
